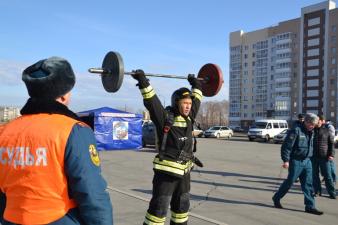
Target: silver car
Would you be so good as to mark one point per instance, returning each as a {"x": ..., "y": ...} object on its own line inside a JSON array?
[
  {"x": 218, "y": 132},
  {"x": 279, "y": 138}
]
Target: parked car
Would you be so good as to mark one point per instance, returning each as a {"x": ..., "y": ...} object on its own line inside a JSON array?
[
  {"x": 279, "y": 138},
  {"x": 238, "y": 129},
  {"x": 266, "y": 129},
  {"x": 218, "y": 132},
  {"x": 148, "y": 134},
  {"x": 197, "y": 131},
  {"x": 335, "y": 139}
]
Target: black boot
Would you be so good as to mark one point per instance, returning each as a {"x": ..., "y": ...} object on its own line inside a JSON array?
[
  {"x": 277, "y": 204},
  {"x": 314, "y": 211}
]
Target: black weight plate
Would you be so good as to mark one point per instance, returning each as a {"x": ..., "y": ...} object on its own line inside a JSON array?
[
  {"x": 113, "y": 66},
  {"x": 213, "y": 79}
]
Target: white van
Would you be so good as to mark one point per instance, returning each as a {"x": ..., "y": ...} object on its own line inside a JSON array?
[{"x": 266, "y": 129}]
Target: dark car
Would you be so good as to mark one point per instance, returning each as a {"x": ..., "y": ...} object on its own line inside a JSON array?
[
  {"x": 148, "y": 134},
  {"x": 238, "y": 129}
]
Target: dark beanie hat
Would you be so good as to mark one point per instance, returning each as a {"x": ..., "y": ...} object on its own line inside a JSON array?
[{"x": 49, "y": 78}]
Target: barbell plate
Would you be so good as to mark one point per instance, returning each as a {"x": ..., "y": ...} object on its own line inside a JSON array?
[
  {"x": 213, "y": 79},
  {"x": 113, "y": 64}
]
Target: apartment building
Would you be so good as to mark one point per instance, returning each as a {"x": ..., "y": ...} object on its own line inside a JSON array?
[
  {"x": 280, "y": 71},
  {"x": 8, "y": 113}
]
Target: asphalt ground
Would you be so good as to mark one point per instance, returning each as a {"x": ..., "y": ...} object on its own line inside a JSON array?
[{"x": 235, "y": 186}]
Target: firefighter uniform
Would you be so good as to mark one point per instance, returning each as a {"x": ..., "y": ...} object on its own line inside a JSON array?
[{"x": 171, "y": 182}]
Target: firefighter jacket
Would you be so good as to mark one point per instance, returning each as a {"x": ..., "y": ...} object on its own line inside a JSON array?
[
  {"x": 178, "y": 155},
  {"x": 49, "y": 167}
]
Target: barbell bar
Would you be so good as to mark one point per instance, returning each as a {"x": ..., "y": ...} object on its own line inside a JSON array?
[{"x": 112, "y": 73}]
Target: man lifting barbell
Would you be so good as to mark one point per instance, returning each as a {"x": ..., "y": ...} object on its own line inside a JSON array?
[{"x": 172, "y": 166}]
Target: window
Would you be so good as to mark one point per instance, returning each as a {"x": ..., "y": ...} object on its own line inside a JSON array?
[
  {"x": 313, "y": 83},
  {"x": 312, "y": 73},
  {"x": 313, "y": 62},
  {"x": 312, "y": 111},
  {"x": 333, "y": 71},
  {"x": 313, "y": 52},
  {"x": 333, "y": 60},
  {"x": 333, "y": 39},
  {"x": 313, "y": 32},
  {"x": 333, "y": 50},
  {"x": 313, "y": 21},
  {"x": 332, "y": 114},
  {"x": 334, "y": 29},
  {"x": 312, "y": 93},
  {"x": 333, "y": 93},
  {"x": 312, "y": 103},
  {"x": 313, "y": 42},
  {"x": 275, "y": 125}
]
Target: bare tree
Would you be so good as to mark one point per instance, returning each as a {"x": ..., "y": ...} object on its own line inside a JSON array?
[{"x": 213, "y": 113}]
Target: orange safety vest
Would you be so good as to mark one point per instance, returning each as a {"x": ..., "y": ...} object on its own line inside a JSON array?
[{"x": 32, "y": 175}]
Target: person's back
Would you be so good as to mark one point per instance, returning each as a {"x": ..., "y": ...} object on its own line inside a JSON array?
[{"x": 49, "y": 169}]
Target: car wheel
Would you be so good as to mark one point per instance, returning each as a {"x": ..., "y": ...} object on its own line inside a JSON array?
[
  {"x": 218, "y": 135},
  {"x": 251, "y": 139},
  {"x": 229, "y": 136}
]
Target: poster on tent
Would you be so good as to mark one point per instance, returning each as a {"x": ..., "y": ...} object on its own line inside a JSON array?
[{"x": 120, "y": 130}]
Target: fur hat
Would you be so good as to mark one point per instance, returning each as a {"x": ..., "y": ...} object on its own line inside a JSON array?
[{"x": 49, "y": 78}]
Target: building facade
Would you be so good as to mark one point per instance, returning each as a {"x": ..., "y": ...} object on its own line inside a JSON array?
[
  {"x": 8, "y": 113},
  {"x": 280, "y": 71}
]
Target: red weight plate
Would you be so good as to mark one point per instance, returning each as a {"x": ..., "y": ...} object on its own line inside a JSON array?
[
  {"x": 113, "y": 77},
  {"x": 213, "y": 79}
]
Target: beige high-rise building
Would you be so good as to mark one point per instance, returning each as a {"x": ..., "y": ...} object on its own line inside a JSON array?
[{"x": 287, "y": 69}]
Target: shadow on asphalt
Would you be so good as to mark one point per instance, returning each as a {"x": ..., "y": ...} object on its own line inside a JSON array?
[
  {"x": 269, "y": 189},
  {"x": 295, "y": 186},
  {"x": 226, "y": 201},
  {"x": 228, "y": 174}
]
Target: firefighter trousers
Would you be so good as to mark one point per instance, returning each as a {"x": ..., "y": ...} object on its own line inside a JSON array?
[{"x": 169, "y": 189}]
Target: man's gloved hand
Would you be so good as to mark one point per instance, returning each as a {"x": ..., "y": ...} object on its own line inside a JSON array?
[
  {"x": 194, "y": 82},
  {"x": 138, "y": 75},
  {"x": 141, "y": 78}
]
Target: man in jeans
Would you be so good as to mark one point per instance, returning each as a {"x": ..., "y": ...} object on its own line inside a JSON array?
[{"x": 296, "y": 152}]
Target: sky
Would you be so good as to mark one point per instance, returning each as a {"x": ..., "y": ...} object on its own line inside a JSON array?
[{"x": 167, "y": 37}]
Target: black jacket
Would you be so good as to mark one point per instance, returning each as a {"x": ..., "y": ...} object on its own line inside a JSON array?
[{"x": 323, "y": 143}]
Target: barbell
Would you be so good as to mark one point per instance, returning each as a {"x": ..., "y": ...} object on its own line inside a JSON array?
[{"x": 112, "y": 73}]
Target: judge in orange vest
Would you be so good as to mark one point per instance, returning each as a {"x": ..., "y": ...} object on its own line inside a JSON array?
[{"x": 49, "y": 167}]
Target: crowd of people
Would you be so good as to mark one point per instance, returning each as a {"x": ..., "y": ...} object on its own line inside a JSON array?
[{"x": 308, "y": 151}]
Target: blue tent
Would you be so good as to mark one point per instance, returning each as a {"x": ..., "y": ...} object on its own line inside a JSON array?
[{"x": 114, "y": 129}]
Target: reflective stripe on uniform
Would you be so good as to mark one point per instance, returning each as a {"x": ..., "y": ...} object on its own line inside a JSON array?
[
  {"x": 197, "y": 93},
  {"x": 154, "y": 220},
  {"x": 147, "y": 92},
  {"x": 172, "y": 167},
  {"x": 179, "y": 121},
  {"x": 179, "y": 217}
]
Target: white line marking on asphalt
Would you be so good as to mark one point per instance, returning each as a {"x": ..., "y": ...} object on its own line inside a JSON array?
[{"x": 147, "y": 200}]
